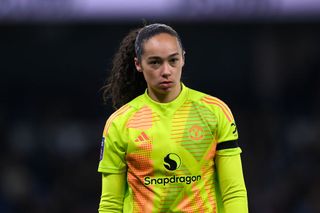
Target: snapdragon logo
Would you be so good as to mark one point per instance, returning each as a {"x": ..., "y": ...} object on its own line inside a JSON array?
[
  {"x": 172, "y": 162},
  {"x": 173, "y": 179}
]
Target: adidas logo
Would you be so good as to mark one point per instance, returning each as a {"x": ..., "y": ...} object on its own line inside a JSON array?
[{"x": 143, "y": 137}]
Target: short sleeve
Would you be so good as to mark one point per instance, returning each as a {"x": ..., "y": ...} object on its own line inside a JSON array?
[{"x": 112, "y": 153}]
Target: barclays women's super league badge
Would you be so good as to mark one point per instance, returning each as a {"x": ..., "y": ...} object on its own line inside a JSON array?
[{"x": 102, "y": 148}]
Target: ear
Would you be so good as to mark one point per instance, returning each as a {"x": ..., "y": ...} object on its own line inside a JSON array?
[
  {"x": 137, "y": 64},
  {"x": 183, "y": 57}
]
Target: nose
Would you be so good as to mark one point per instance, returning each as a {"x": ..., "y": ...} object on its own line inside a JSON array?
[{"x": 166, "y": 70}]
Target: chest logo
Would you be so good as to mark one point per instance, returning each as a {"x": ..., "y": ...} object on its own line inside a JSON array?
[
  {"x": 143, "y": 137},
  {"x": 172, "y": 161},
  {"x": 196, "y": 133}
]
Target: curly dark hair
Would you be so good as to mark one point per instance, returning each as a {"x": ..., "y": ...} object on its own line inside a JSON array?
[{"x": 125, "y": 82}]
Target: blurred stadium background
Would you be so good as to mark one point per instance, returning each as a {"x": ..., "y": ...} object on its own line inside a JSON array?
[{"x": 260, "y": 57}]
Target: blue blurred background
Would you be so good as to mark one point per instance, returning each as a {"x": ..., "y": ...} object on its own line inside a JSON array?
[{"x": 260, "y": 57}]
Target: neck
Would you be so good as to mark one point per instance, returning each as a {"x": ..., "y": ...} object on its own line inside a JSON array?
[{"x": 165, "y": 97}]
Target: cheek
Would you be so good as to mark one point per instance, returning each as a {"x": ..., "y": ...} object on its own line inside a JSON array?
[
  {"x": 153, "y": 77},
  {"x": 179, "y": 72},
  {"x": 149, "y": 76}
]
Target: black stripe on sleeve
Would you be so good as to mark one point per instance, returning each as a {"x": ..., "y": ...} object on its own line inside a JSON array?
[{"x": 227, "y": 145}]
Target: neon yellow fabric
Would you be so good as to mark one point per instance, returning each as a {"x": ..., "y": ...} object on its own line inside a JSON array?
[
  {"x": 113, "y": 191},
  {"x": 167, "y": 152},
  {"x": 231, "y": 183}
]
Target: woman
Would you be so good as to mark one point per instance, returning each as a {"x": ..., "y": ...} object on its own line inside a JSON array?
[{"x": 168, "y": 148}]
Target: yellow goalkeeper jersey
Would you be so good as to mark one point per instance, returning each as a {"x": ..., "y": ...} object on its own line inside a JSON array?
[{"x": 168, "y": 151}]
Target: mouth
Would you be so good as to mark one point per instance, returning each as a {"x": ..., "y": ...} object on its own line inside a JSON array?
[{"x": 166, "y": 84}]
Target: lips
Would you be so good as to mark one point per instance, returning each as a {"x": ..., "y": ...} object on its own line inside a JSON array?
[{"x": 166, "y": 84}]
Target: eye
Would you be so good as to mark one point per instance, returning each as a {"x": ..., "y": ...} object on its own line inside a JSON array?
[
  {"x": 155, "y": 62},
  {"x": 173, "y": 61}
]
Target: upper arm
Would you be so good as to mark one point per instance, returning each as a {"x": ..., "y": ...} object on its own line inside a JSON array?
[
  {"x": 228, "y": 161},
  {"x": 113, "y": 151}
]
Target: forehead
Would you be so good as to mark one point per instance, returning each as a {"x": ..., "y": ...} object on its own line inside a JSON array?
[{"x": 161, "y": 45}]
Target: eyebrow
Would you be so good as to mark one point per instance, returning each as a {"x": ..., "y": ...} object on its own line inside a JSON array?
[{"x": 157, "y": 57}]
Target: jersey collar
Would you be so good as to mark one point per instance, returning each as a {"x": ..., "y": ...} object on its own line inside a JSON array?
[{"x": 169, "y": 107}]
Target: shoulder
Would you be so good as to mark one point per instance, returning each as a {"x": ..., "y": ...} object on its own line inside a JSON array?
[
  {"x": 120, "y": 117},
  {"x": 204, "y": 98},
  {"x": 116, "y": 117},
  {"x": 195, "y": 95},
  {"x": 214, "y": 104},
  {"x": 126, "y": 110}
]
